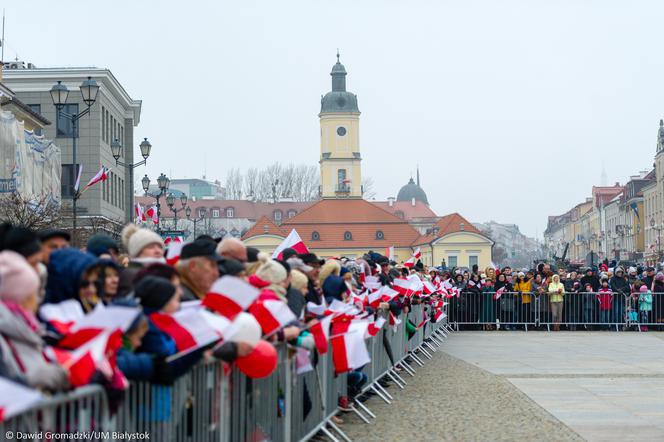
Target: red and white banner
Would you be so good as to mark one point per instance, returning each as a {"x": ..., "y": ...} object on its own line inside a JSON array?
[
  {"x": 230, "y": 295},
  {"x": 102, "y": 175},
  {"x": 321, "y": 333},
  {"x": 292, "y": 241},
  {"x": 99, "y": 320},
  {"x": 348, "y": 348},
  {"x": 272, "y": 315},
  {"x": 188, "y": 328},
  {"x": 16, "y": 398}
]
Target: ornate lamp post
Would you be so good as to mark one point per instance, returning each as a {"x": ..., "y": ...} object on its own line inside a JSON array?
[
  {"x": 201, "y": 217},
  {"x": 170, "y": 200},
  {"x": 116, "y": 150},
  {"x": 59, "y": 94},
  {"x": 163, "y": 183}
]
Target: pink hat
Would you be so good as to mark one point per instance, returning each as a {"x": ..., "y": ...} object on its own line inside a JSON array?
[
  {"x": 644, "y": 289},
  {"x": 18, "y": 280}
]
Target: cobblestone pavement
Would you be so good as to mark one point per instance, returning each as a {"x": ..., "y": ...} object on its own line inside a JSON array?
[{"x": 451, "y": 400}]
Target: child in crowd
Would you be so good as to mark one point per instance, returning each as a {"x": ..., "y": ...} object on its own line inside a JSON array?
[
  {"x": 605, "y": 298},
  {"x": 645, "y": 306}
]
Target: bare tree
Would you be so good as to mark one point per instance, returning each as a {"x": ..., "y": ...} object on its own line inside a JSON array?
[
  {"x": 234, "y": 184},
  {"x": 279, "y": 181},
  {"x": 35, "y": 213},
  {"x": 368, "y": 191}
]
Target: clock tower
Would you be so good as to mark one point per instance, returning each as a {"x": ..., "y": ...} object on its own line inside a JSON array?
[{"x": 340, "y": 169}]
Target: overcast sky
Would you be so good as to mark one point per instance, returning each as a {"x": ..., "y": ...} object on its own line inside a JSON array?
[{"x": 510, "y": 108}]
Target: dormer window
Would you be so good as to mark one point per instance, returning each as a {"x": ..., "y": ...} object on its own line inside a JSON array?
[
  {"x": 380, "y": 234},
  {"x": 348, "y": 236}
]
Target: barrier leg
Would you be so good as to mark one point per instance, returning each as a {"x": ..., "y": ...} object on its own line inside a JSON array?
[
  {"x": 365, "y": 409},
  {"x": 381, "y": 388},
  {"x": 431, "y": 347},
  {"x": 417, "y": 360},
  {"x": 424, "y": 352},
  {"x": 339, "y": 432},
  {"x": 328, "y": 434},
  {"x": 400, "y": 383},
  {"x": 380, "y": 395},
  {"x": 407, "y": 367}
]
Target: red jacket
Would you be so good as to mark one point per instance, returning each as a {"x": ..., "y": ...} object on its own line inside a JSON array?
[{"x": 605, "y": 297}]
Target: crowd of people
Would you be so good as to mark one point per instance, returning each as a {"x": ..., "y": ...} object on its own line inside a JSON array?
[
  {"x": 604, "y": 297},
  {"x": 42, "y": 269}
]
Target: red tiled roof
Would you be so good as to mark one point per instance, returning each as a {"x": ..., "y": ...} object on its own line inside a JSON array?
[
  {"x": 448, "y": 224},
  {"x": 344, "y": 211},
  {"x": 419, "y": 210},
  {"x": 264, "y": 227}
]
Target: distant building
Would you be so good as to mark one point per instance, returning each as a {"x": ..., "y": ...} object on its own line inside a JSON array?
[
  {"x": 519, "y": 250},
  {"x": 195, "y": 188}
]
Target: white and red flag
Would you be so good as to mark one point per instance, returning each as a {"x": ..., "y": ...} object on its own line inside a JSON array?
[
  {"x": 102, "y": 175},
  {"x": 403, "y": 286},
  {"x": 140, "y": 213},
  {"x": 174, "y": 249},
  {"x": 153, "y": 214},
  {"x": 374, "y": 327},
  {"x": 63, "y": 315},
  {"x": 384, "y": 294},
  {"x": 348, "y": 348},
  {"x": 417, "y": 254},
  {"x": 272, "y": 315},
  {"x": 499, "y": 292},
  {"x": 410, "y": 263},
  {"x": 439, "y": 316},
  {"x": 428, "y": 288},
  {"x": 292, "y": 241},
  {"x": 101, "y": 319},
  {"x": 389, "y": 252},
  {"x": 394, "y": 321},
  {"x": 77, "y": 184},
  {"x": 188, "y": 328},
  {"x": 16, "y": 398},
  {"x": 321, "y": 333},
  {"x": 230, "y": 295}
]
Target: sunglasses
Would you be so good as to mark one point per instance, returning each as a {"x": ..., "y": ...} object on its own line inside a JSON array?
[{"x": 86, "y": 284}]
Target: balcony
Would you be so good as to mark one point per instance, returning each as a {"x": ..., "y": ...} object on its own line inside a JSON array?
[{"x": 342, "y": 188}]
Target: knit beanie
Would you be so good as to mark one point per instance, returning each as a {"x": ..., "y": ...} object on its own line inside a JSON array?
[
  {"x": 18, "y": 280},
  {"x": 154, "y": 292},
  {"x": 269, "y": 270},
  {"x": 135, "y": 239},
  {"x": 298, "y": 280},
  {"x": 644, "y": 289},
  {"x": 101, "y": 243}
]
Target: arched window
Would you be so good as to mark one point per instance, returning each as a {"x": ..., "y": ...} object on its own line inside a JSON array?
[
  {"x": 315, "y": 236},
  {"x": 380, "y": 234},
  {"x": 348, "y": 236}
]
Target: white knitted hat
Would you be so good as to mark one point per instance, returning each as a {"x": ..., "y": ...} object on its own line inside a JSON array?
[
  {"x": 135, "y": 239},
  {"x": 269, "y": 270}
]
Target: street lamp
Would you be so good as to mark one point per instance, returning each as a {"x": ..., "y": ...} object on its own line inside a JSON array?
[
  {"x": 201, "y": 217},
  {"x": 170, "y": 200},
  {"x": 163, "y": 183},
  {"x": 116, "y": 150},
  {"x": 59, "y": 94}
]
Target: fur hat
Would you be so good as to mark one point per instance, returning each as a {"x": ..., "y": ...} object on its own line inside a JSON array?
[
  {"x": 269, "y": 270},
  {"x": 18, "y": 280},
  {"x": 135, "y": 239},
  {"x": 298, "y": 280}
]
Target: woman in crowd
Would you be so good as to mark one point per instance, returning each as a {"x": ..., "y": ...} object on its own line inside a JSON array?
[
  {"x": 507, "y": 302},
  {"x": 144, "y": 247},
  {"x": 556, "y": 291}
]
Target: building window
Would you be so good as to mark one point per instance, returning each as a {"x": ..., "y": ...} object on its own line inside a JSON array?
[
  {"x": 36, "y": 108},
  {"x": 341, "y": 176},
  {"x": 380, "y": 234},
  {"x": 348, "y": 236},
  {"x": 230, "y": 213},
  {"x": 399, "y": 213},
  {"x": 67, "y": 180},
  {"x": 215, "y": 213},
  {"x": 103, "y": 123},
  {"x": 291, "y": 213},
  {"x": 201, "y": 212},
  {"x": 108, "y": 126},
  {"x": 473, "y": 260},
  {"x": 277, "y": 216},
  {"x": 315, "y": 236},
  {"x": 452, "y": 261},
  {"x": 64, "y": 127}
]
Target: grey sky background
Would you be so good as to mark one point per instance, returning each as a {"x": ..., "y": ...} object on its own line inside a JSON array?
[{"x": 510, "y": 108}]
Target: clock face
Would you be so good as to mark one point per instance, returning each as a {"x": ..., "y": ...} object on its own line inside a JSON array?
[{"x": 341, "y": 131}]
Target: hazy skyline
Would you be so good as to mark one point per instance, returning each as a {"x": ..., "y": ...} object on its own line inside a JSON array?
[{"x": 511, "y": 110}]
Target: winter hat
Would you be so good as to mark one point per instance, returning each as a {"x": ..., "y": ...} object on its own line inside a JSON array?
[
  {"x": 298, "y": 280},
  {"x": 101, "y": 243},
  {"x": 154, "y": 292},
  {"x": 135, "y": 239},
  {"x": 23, "y": 241},
  {"x": 18, "y": 280},
  {"x": 297, "y": 264},
  {"x": 270, "y": 271},
  {"x": 659, "y": 276},
  {"x": 632, "y": 270},
  {"x": 643, "y": 289},
  {"x": 65, "y": 270},
  {"x": 333, "y": 287}
]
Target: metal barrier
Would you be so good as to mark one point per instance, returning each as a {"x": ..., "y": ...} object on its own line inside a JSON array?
[
  {"x": 212, "y": 403},
  {"x": 573, "y": 310}
]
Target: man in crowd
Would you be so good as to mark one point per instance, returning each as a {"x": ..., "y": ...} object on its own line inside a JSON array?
[
  {"x": 198, "y": 268},
  {"x": 52, "y": 240}
]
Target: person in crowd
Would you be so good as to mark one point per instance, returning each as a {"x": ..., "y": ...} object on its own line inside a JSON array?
[
  {"x": 52, "y": 240},
  {"x": 331, "y": 267},
  {"x": 632, "y": 275},
  {"x": 198, "y": 268},
  {"x": 315, "y": 291},
  {"x": 334, "y": 287},
  {"x": 72, "y": 274},
  {"x": 297, "y": 293},
  {"x": 473, "y": 293},
  {"x": 632, "y": 307},
  {"x": 23, "y": 241},
  {"x": 556, "y": 291},
  {"x": 144, "y": 247},
  {"x": 161, "y": 271},
  {"x": 489, "y": 312},
  {"x": 592, "y": 279},
  {"x": 103, "y": 246},
  {"x": 573, "y": 302},
  {"x": 507, "y": 302},
  {"x": 21, "y": 345},
  {"x": 589, "y": 302},
  {"x": 645, "y": 307},
  {"x": 539, "y": 286},
  {"x": 523, "y": 288},
  {"x": 621, "y": 289},
  {"x": 605, "y": 298},
  {"x": 233, "y": 248},
  {"x": 649, "y": 277},
  {"x": 134, "y": 365},
  {"x": 108, "y": 281}
]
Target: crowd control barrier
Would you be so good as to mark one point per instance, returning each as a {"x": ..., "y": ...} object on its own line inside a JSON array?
[
  {"x": 213, "y": 402},
  {"x": 574, "y": 311}
]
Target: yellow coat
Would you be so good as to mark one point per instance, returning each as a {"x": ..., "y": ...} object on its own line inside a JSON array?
[
  {"x": 554, "y": 296},
  {"x": 524, "y": 288}
]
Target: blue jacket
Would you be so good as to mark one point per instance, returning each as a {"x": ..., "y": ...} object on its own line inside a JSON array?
[
  {"x": 65, "y": 269},
  {"x": 135, "y": 366}
]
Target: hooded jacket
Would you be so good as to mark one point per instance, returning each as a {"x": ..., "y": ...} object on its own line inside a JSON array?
[
  {"x": 65, "y": 270},
  {"x": 619, "y": 285},
  {"x": 21, "y": 349}
]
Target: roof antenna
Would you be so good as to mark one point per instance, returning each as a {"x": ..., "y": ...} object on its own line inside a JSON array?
[{"x": 337, "y": 55}]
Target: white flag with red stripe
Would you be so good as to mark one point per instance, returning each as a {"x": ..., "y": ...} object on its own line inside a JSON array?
[
  {"x": 230, "y": 295},
  {"x": 102, "y": 175},
  {"x": 189, "y": 328},
  {"x": 349, "y": 350},
  {"x": 410, "y": 263},
  {"x": 153, "y": 214},
  {"x": 16, "y": 398},
  {"x": 374, "y": 327},
  {"x": 439, "y": 316},
  {"x": 63, "y": 315},
  {"x": 140, "y": 214},
  {"x": 372, "y": 282},
  {"x": 174, "y": 249},
  {"x": 321, "y": 333},
  {"x": 417, "y": 254},
  {"x": 499, "y": 292},
  {"x": 272, "y": 315},
  {"x": 292, "y": 241}
]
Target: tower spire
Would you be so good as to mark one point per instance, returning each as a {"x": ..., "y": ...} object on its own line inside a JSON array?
[
  {"x": 418, "y": 175},
  {"x": 338, "y": 56}
]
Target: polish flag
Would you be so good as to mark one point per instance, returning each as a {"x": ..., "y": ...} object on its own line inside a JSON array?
[
  {"x": 402, "y": 286},
  {"x": 321, "y": 333},
  {"x": 152, "y": 213},
  {"x": 16, "y": 398},
  {"x": 102, "y": 175},
  {"x": 230, "y": 295},
  {"x": 374, "y": 327},
  {"x": 292, "y": 241},
  {"x": 174, "y": 250},
  {"x": 384, "y": 294},
  {"x": 428, "y": 288},
  {"x": 272, "y": 315},
  {"x": 416, "y": 285},
  {"x": 372, "y": 282},
  {"x": 188, "y": 328},
  {"x": 499, "y": 292},
  {"x": 63, "y": 315},
  {"x": 349, "y": 350},
  {"x": 359, "y": 301},
  {"x": 140, "y": 214},
  {"x": 417, "y": 254},
  {"x": 318, "y": 310},
  {"x": 394, "y": 321},
  {"x": 410, "y": 263},
  {"x": 100, "y": 320},
  {"x": 439, "y": 316}
]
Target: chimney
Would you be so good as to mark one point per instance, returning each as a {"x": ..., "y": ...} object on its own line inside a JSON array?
[
  {"x": 390, "y": 201},
  {"x": 412, "y": 202}
]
